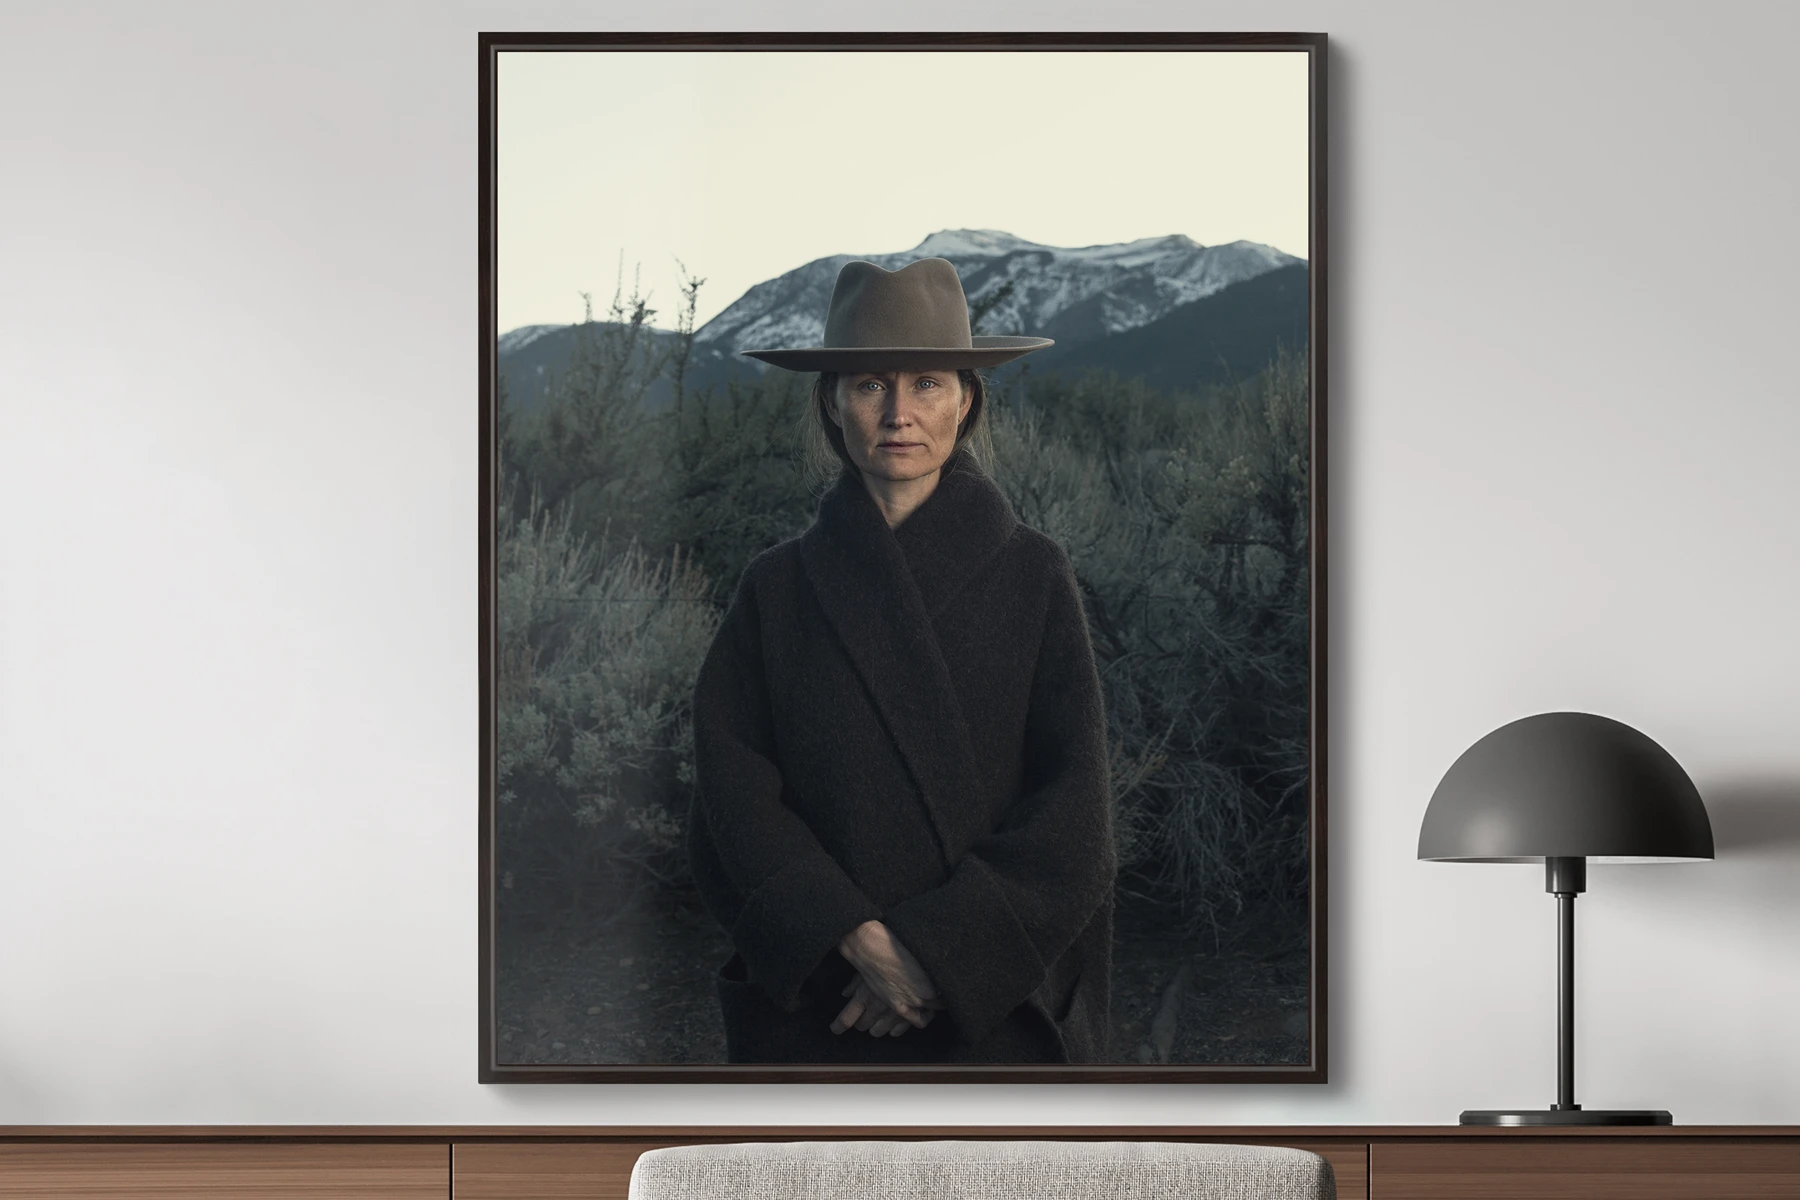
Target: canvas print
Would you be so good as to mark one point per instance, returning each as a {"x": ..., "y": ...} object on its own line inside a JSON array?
[{"x": 902, "y": 608}]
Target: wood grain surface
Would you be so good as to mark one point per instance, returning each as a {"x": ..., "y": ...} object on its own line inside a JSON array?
[
  {"x": 1589, "y": 1169},
  {"x": 589, "y": 1171},
  {"x": 528, "y": 1162},
  {"x": 73, "y": 1171}
]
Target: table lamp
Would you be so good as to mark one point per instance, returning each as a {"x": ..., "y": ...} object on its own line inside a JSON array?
[{"x": 1565, "y": 787}]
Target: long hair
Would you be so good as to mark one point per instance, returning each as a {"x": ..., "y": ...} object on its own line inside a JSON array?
[{"x": 826, "y": 457}]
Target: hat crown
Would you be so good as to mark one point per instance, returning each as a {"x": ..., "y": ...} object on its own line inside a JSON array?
[{"x": 921, "y": 304}]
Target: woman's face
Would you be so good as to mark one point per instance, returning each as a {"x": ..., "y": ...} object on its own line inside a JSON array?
[{"x": 900, "y": 425}]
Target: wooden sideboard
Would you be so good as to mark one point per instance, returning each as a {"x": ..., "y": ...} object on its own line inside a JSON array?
[{"x": 407, "y": 1162}]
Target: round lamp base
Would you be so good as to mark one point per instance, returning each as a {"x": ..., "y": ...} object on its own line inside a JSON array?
[{"x": 1567, "y": 1116}]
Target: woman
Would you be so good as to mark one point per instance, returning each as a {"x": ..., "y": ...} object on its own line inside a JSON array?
[{"x": 901, "y": 812}]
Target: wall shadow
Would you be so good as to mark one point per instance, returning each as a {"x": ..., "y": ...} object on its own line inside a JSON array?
[{"x": 1755, "y": 818}]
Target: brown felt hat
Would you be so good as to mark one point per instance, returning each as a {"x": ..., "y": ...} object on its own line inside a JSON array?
[{"x": 913, "y": 319}]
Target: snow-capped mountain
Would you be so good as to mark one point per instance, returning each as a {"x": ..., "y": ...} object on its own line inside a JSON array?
[
  {"x": 1067, "y": 293},
  {"x": 517, "y": 339},
  {"x": 1092, "y": 299}
]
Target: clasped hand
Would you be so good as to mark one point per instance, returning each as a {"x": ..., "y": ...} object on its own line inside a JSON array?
[{"x": 891, "y": 992}]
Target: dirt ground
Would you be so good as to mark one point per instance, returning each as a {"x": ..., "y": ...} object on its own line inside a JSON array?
[
  {"x": 1178, "y": 1000},
  {"x": 641, "y": 992}
]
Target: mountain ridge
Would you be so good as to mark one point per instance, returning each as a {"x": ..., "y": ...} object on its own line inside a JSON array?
[
  {"x": 1047, "y": 291},
  {"x": 1090, "y": 299}
]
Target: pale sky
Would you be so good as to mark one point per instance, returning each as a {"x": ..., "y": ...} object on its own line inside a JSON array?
[{"x": 747, "y": 164}]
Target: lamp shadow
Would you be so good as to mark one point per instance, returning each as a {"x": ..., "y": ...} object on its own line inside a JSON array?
[
  {"x": 1713, "y": 956},
  {"x": 1756, "y": 847},
  {"x": 1755, "y": 818}
]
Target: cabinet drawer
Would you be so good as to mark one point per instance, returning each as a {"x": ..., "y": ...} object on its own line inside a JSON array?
[
  {"x": 1585, "y": 1168},
  {"x": 238, "y": 1171}
]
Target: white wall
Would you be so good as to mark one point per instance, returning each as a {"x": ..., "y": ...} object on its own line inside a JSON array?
[{"x": 238, "y": 556}]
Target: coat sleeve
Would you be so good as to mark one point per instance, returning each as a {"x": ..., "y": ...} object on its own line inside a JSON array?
[
  {"x": 785, "y": 901},
  {"x": 1022, "y": 895}
]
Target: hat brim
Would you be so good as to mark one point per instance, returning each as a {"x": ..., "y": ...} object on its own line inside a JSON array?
[{"x": 984, "y": 352}]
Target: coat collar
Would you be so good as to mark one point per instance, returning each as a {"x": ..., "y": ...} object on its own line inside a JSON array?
[
  {"x": 880, "y": 589},
  {"x": 956, "y": 531}
]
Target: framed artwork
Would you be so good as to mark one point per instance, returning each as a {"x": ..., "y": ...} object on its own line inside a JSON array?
[{"x": 902, "y": 557}]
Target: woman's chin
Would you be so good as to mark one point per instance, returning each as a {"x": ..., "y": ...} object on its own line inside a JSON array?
[{"x": 900, "y": 465}]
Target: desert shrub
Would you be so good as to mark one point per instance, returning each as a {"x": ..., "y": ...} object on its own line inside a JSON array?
[
  {"x": 736, "y": 485},
  {"x": 1185, "y": 518},
  {"x": 596, "y": 448},
  {"x": 597, "y": 649}
]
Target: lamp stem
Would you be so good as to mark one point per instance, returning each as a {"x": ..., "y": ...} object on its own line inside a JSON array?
[
  {"x": 1565, "y": 1012},
  {"x": 1566, "y": 878}
]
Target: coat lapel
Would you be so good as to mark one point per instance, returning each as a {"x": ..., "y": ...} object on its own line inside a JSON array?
[{"x": 879, "y": 589}]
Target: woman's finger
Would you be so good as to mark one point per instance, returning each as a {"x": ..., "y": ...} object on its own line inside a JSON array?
[
  {"x": 850, "y": 1014},
  {"x": 914, "y": 1017},
  {"x": 918, "y": 982},
  {"x": 913, "y": 971},
  {"x": 898, "y": 978},
  {"x": 894, "y": 988}
]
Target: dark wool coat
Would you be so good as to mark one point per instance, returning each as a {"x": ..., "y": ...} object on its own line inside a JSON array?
[{"x": 905, "y": 725}]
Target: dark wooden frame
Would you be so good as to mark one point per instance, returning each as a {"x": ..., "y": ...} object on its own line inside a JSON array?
[{"x": 1315, "y": 44}]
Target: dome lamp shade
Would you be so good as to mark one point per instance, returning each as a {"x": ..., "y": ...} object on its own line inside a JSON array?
[
  {"x": 1566, "y": 788},
  {"x": 1566, "y": 784}
]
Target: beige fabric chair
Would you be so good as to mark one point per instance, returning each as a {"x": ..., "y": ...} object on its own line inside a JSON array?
[{"x": 981, "y": 1170}]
